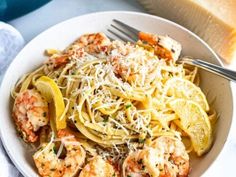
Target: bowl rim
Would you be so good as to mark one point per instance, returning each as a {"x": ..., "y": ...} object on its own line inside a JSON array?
[{"x": 3, "y": 140}]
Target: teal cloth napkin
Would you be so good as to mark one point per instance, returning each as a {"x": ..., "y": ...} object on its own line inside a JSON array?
[{"x": 10, "y": 9}]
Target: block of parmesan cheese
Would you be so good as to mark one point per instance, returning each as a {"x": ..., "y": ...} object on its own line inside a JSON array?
[{"x": 213, "y": 20}]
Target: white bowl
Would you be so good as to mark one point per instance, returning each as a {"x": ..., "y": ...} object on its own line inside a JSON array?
[{"x": 63, "y": 34}]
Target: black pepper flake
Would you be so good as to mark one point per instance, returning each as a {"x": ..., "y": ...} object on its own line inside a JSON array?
[
  {"x": 172, "y": 50},
  {"x": 140, "y": 161},
  {"x": 68, "y": 166},
  {"x": 44, "y": 114},
  {"x": 20, "y": 134}
]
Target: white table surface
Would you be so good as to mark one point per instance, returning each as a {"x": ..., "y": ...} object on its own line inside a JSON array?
[{"x": 56, "y": 11}]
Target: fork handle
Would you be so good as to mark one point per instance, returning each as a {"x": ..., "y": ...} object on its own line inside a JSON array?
[{"x": 223, "y": 72}]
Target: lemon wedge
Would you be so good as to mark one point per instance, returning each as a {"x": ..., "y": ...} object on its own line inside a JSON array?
[
  {"x": 182, "y": 88},
  {"x": 52, "y": 93},
  {"x": 195, "y": 122}
]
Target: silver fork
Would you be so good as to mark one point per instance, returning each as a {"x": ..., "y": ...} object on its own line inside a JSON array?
[{"x": 127, "y": 33}]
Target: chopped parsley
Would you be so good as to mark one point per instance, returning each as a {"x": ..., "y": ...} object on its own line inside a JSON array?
[
  {"x": 105, "y": 119},
  {"x": 54, "y": 150},
  {"x": 141, "y": 140},
  {"x": 127, "y": 106}
]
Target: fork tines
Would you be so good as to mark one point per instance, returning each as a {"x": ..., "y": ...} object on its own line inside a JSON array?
[{"x": 124, "y": 32}]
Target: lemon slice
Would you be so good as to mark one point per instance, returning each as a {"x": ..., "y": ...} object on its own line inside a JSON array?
[
  {"x": 182, "y": 88},
  {"x": 194, "y": 121},
  {"x": 52, "y": 93}
]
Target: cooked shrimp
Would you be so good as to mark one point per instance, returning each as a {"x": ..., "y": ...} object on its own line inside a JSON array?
[
  {"x": 133, "y": 63},
  {"x": 30, "y": 112},
  {"x": 98, "y": 167},
  {"x": 141, "y": 163},
  {"x": 175, "y": 155},
  {"x": 48, "y": 162},
  {"x": 164, "y": 46},
  {"x": 90, "y": 43},
  {"x": 165, "y": 158},
  {"x": 94, "y": 42}
]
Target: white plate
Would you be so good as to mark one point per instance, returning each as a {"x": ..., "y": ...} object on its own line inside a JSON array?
[{"x": 63, "y": 34}]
